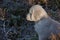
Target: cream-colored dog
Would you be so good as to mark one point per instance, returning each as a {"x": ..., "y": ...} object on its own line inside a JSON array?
[{"x": 44, "y": 25}]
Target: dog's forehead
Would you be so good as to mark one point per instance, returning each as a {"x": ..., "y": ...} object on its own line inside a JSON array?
[{"x": 35, "y": 8}]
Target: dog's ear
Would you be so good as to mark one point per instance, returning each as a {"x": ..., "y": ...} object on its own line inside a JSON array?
[{"x": 36, "y": 14}]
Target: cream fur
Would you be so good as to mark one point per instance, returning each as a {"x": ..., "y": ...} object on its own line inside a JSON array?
[
  {"x": 44, "y": 25},
  {"x": 36, "y": 12}
]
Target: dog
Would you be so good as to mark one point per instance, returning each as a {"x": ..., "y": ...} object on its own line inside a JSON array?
[{"x": 44, "y": 25}]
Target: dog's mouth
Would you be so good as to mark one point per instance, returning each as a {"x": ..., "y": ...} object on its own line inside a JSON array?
[{"x": 28, "y": 17}]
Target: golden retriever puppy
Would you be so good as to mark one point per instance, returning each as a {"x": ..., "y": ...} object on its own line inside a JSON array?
[{"x": 44, "y": 25}]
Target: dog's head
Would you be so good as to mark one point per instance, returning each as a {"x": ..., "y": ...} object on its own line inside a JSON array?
[{"x": 36, "y": 12}]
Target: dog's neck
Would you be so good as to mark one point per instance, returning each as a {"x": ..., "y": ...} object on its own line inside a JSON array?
[{"x": 43, "y": 18}]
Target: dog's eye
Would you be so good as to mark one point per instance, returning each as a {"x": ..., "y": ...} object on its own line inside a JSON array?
[{"x": 30, "y": 14}]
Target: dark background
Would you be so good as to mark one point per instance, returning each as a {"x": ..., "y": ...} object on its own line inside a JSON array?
[{"x": 13, "y": 23}]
